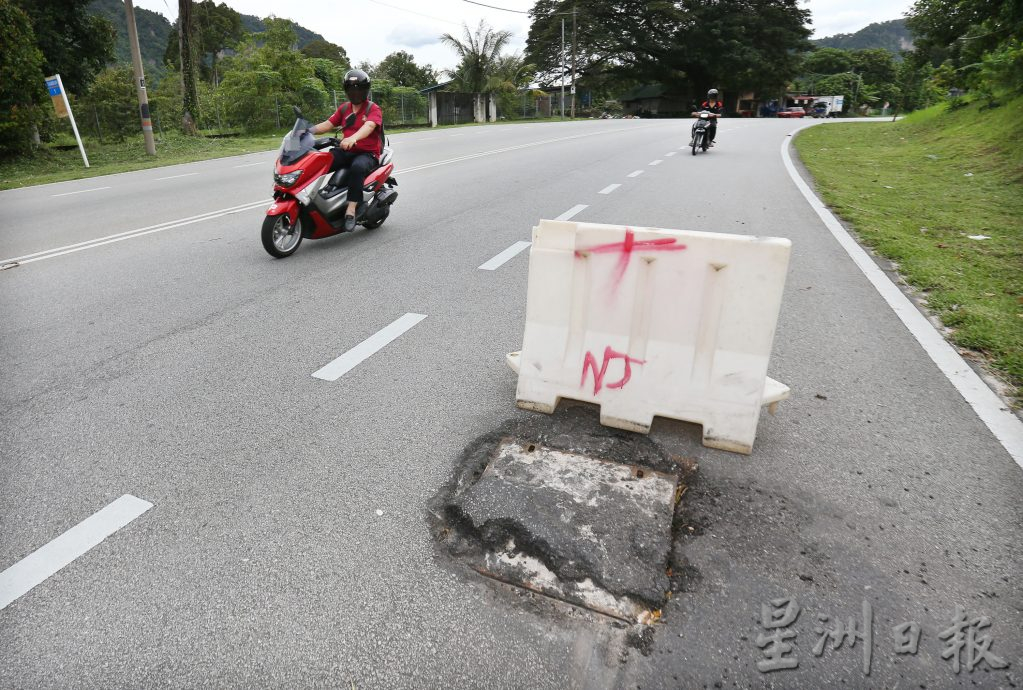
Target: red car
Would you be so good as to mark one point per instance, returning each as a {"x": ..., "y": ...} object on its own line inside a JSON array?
[{"x": 794, "y": 111}]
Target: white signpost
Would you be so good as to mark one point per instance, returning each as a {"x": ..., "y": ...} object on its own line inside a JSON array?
[{"x": 63, "y": 109}]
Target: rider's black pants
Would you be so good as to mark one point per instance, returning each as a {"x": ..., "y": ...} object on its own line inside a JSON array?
[{"x": 359, "y": 165}]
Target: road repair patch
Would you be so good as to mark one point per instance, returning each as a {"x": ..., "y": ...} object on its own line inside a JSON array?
[{"x": 584, "y": 516}]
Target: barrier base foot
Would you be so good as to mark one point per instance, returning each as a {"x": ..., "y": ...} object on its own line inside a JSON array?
[{"x": 730, "y": 446}]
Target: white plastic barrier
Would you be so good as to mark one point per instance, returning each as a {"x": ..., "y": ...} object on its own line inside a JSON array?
[{"x": 647, "y": 322}]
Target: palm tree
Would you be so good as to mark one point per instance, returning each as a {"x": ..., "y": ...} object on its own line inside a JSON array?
[
  {"x": 510, "y": 73},
  {"x": 479, "y": 51}
]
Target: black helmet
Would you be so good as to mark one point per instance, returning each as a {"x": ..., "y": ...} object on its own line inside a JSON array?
[
  {"x": 713, "y": 93},
  {"x": 356, "y": 79}
]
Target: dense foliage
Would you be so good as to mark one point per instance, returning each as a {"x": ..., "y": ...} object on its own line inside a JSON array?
[
  {"x": 736, "y": 45},
  {"x": 978, "y": 40}
]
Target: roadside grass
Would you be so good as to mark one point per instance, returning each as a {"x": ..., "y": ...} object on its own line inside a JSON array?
[
  {"x": 53, "y": 164},
  {"x": 916, "y": 191}
]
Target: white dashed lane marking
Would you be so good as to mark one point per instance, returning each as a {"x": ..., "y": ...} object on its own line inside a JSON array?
[
  {"x": 81, "y": 191},
  {"x": 48, "y": 559},
  {"x": 567, "y": 215},
  {"x": 507, "y": 255},
  {"x": 367, "y": 348},
  {"x": 173, "y": 177}
]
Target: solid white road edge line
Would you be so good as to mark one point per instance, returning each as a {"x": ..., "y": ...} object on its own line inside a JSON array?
[
  {"x": 567, "y": 215},
  {"x": 608, "y": 189},
  {"x": 249, "y": 165},
  {"x": 508, "y": 254},
  {"x": 1006, "y": 427},
  {"x": 367, "y": 348},
  {"x": 47, "y": 560},
  {"x": 635, "y": 173},
  {"x": 80, "y": 191},
  {"x": 89, "y": 244}
]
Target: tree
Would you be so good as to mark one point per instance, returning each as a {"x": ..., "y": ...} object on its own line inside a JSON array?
[
  {"x": 21, "y": 65},
  {"x": 327, "y": 51},
  {"x": 510, "y": 74},
  {"x": 970, "y": 34},
  {"x": 219, "y": 27},
  {"x": 828, "y": 61},
  {"x": 400, "y": 69},
  {"x": 112, "y": 100},
  {"x": 186, "y": 51},
  {"x": 730, "y": 44},
  {"x": 74, "y": 43},
  {"x": 876, "y": 65},
  {"x": 267, "y": 75},
  {"x": 478, "y": 51}
]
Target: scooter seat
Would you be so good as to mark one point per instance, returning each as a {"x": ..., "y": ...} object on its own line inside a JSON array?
[{"x": 337, "y": 180}]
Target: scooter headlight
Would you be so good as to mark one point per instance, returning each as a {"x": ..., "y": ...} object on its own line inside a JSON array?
[{"x": 287, "y": 179}]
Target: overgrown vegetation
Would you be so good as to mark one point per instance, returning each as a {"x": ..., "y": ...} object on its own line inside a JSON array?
[{"x": 940, "y": 193}]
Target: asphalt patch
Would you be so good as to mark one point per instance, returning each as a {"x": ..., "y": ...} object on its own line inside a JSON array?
[{"x": 562, "y": 506}]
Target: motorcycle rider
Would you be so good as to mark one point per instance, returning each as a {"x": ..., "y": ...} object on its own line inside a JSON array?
[
  {"x": 360, "y": 148},
  {"x": 712, "y": 105}
]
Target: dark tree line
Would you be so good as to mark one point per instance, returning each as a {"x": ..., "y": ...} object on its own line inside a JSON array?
[{"x": 736, "y": 45}]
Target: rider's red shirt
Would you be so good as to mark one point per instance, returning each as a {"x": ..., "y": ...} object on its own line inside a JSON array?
[{"x": 367, "y": 112}]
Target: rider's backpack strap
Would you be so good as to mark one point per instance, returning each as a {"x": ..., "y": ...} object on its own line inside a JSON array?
[{"x": 383, "y": 142}]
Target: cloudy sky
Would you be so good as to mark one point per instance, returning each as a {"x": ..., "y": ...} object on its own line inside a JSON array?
[{"x": 371, "y": 29}]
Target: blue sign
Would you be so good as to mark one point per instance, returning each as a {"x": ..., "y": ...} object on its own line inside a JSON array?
[{"x": 53, "y": 86}]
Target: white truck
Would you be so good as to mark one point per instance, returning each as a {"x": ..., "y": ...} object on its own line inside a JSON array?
[{"x": 828, "y": 106}]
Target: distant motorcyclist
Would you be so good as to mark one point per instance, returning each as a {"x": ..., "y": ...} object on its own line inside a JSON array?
[
  {"x": 712, "y": 105},
  {"x": 358, "y": 118}
]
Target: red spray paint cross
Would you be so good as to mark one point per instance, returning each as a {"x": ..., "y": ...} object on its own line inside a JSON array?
[
  {"x": 625, "y": 249},
  {"x": 598, "y": 376}
]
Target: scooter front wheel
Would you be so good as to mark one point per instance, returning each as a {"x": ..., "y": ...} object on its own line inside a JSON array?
[{"x": 280, "y": 236}]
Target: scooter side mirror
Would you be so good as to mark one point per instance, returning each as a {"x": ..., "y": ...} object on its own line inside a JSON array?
[{"x": 298, "y": 113}]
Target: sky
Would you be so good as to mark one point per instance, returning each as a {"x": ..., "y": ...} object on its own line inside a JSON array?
[{"x": 372, "y": 29}]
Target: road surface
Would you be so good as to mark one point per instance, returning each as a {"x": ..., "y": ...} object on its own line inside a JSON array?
[{"x": 152, "y": 348}]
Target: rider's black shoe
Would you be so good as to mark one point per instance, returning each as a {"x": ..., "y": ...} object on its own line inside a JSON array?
[{"x": 349, "y": 223}]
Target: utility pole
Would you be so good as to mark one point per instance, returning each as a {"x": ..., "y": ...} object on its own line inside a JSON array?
[
  {"x": 563, "y": 68},
  {"x": 140, "y": 79},
  {"x": 574, "y": 46}
]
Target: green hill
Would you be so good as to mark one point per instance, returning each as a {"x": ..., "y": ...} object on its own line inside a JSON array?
[
  {"x": 891, "y": 35},
  {"x": 154, "y": 28}
]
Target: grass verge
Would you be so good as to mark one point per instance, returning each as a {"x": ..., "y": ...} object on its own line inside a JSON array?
[
  {"x": 940, "y": 193},
  {"x": 52, "y": 164}
]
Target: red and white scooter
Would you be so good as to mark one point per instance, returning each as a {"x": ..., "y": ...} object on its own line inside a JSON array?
[{"x": 310, "y": 201}]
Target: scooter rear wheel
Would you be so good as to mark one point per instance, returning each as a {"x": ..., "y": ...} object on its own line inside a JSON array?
[
  {"x": 280, "y": 236},
  {"x": 374, "y": 224}
]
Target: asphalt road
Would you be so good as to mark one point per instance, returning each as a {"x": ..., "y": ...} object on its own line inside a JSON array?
[{"x": 287, "y": 544}]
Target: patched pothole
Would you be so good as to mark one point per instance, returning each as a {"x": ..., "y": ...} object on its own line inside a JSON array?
[{"x": 584, "y": 517}]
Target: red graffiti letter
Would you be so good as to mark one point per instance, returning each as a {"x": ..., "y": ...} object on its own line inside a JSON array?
[{"x": 590, "y": 362}]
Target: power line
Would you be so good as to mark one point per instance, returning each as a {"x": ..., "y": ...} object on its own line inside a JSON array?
[
  {"x": 503, "y": 9},
  {"x": 402, "y": 9}
]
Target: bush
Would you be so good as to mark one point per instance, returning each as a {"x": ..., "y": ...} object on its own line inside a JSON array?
[{"x": 113, "y": 102}]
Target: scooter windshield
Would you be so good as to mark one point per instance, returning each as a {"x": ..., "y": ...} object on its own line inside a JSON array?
[{"x": 297, "y": 143}]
